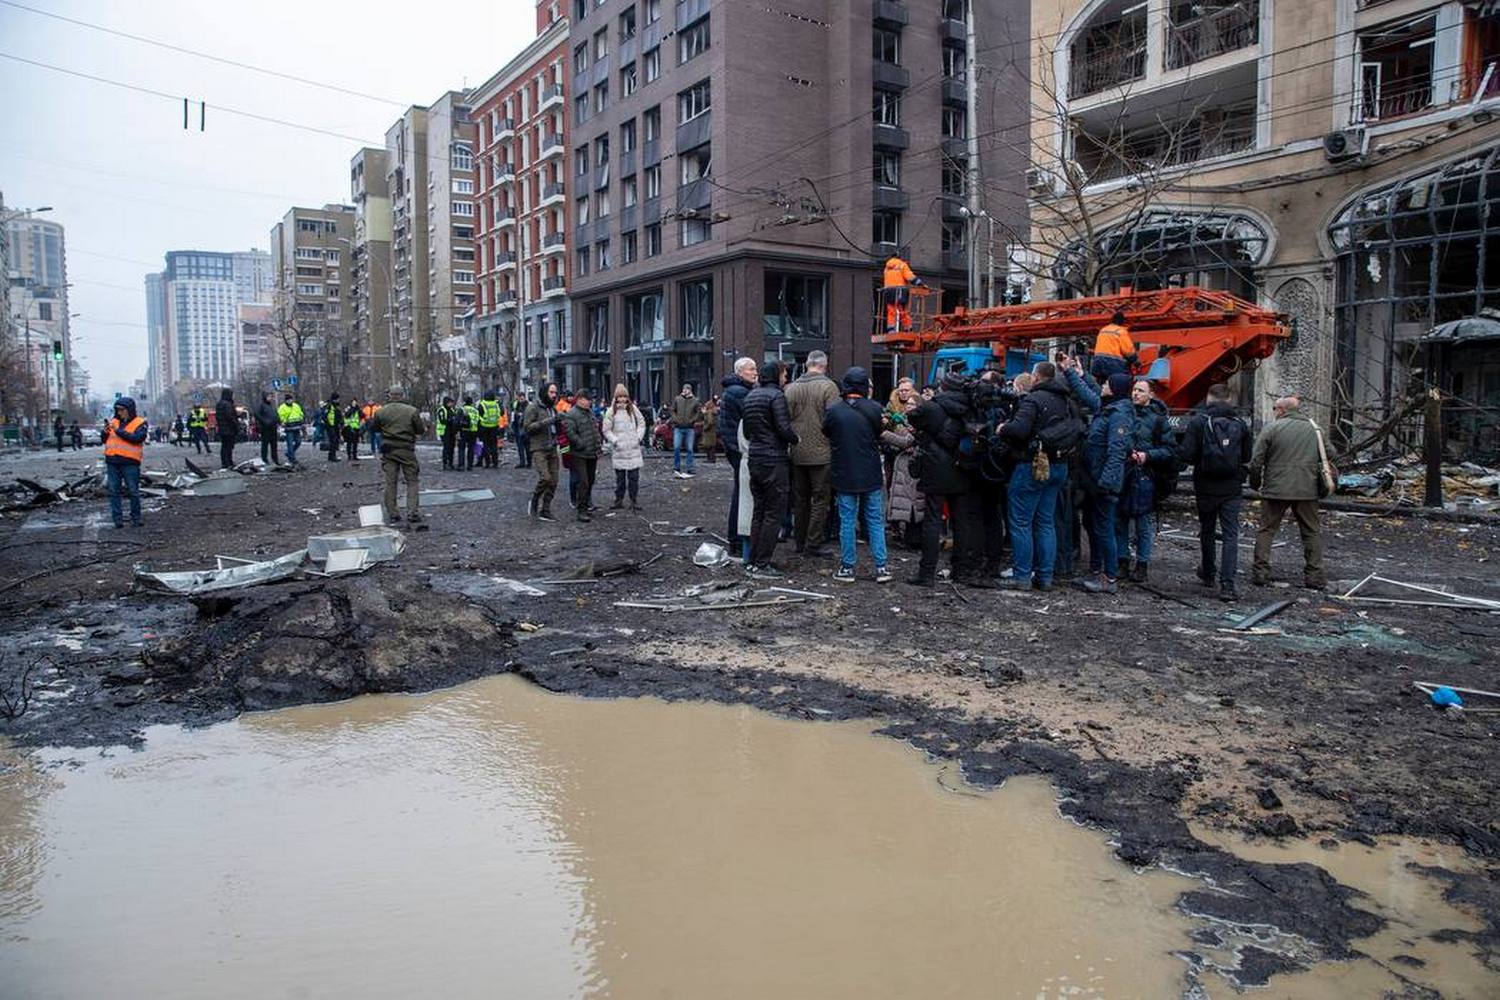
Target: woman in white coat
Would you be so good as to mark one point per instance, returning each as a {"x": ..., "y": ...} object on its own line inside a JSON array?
[{"x": 625, "y": 428}]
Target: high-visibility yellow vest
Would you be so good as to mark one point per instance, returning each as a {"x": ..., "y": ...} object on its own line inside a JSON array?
[
  {"x": 290, "y": 414},
  {"x": 351, "y": 420},
  {"x": 198, "y": 418},
  {"x": 473, "y": 414},
  {"x": 489, "y": 413}
]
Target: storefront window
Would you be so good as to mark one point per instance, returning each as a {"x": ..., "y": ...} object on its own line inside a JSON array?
[{"x": 796, "y": 306}]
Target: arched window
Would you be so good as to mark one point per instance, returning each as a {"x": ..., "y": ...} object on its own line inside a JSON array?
[{"x": 1168, "y": 249}]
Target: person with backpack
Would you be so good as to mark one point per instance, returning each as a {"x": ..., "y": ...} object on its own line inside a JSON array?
[
  {"x": 1152, "y": 458},
  {"x": 945, "y": 430},
  {"x": 1106, "y": 454},
  {"x": 1043, "y": 435},
  {"x": 1217, "y": 444}
]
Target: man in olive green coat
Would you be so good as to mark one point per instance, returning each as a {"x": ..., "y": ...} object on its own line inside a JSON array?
[
  {"x": 399, "y": 425},
  {"x": 1285, "y": 468},
  {"x": 807, "y": 399}
]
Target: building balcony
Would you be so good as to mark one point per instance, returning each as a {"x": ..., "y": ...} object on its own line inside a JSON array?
[
  {"x": 504, "y": 129},
  {"x": 553, "y": 194},
  {"x": 891, "y": 199},
  {"x": 1213, "y": 34},
  {"x": 1104, "y": 68},
  {"x": 954, "y": 31},
  {"x": 955, "y": 90},
  {"x": 506, "y": 300},
  {"x": 891, "y": 14},
  {"x": 955, "y": 148},
  {"x": 552, "y": 97},
  {"x": 694, "y": 195},
  {"x": 891, "y": 137},
  {"x": 552, "y": 145},
  {"x": 505, "y": 173},
  {"x": 554, "y": 288},
  {"x": 889, "y": 76},
  {"x": 554, "y": 243},
  {"x": 505, "y": 260},
  {"x": 507, "y": 216}
]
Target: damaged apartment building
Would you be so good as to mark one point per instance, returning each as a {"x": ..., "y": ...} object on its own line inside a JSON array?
[{"x": 1338, "y": 161}]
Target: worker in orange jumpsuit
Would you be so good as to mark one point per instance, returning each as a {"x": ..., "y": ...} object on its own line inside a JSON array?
[
  {"x": 1114, "y": 351},
  {"x": 899, "y": 277}
]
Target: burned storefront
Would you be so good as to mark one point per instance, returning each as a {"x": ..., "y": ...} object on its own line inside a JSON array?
[{"x": 1411, "y": 255}]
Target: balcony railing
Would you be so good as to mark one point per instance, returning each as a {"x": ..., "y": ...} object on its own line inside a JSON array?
[
  {"x": 553, "y": 241},
  {"x": 1107, "y": 67},
  {"x": 1214, "y": 34},
  {"x": 557, "y": 285},
  {"x": 552, "y": 145},
  {"x": 1178, "y": 147}
]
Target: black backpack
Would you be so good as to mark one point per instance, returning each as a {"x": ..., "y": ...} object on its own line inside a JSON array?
[
  {"x": 1222, "y": 443},
  {"x": 1063, "y": 436}
]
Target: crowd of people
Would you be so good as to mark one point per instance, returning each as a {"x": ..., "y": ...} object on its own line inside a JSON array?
[{"x": 1013, "y": 475}]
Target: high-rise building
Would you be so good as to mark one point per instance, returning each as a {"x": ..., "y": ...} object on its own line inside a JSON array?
[
  {"x": 1338, "y": 161},
  {"x": 37, "y": 276},
  {"x": 192, "y": 322},
  {"x": 430, "y": 171},
  {"x": 522, "y": 319},
  {"x": 257, "y": 340},
  {"x": 372, "y": 324},
  {"x": 741, "y": 198},
  {"x": 310, "y": 248}
]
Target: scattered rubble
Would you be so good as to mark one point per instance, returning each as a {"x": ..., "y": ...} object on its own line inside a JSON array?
[{"x": 1402, "y": 481}]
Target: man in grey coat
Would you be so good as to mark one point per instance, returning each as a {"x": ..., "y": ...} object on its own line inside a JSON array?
[
  {"x": 808, "y": 399},
  {"x": 1285, "y": 468}
]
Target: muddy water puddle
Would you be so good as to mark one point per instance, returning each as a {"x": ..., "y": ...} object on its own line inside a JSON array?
[{"x": 497, "y": 841}]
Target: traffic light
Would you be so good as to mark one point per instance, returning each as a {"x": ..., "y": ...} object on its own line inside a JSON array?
[{"x": 57, "y": 351}]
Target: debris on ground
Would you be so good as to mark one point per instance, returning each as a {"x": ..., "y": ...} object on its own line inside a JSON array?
[
  {"x": 1402, "y": 481},
  {"x": 1256, "y": 617},
  {"x": 29, "y": 494},
  {"x": 237, "y": 573},
  {"x": 725, "y": 596},
  {"x": 442, "y": 498},
  {"x": 711, "y": 556},
  {"x": 382, "y": 544},
  {"x": 1416, "y": 594}
]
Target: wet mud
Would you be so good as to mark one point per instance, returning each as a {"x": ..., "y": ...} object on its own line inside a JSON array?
[{"x": 1141, "y": 711}]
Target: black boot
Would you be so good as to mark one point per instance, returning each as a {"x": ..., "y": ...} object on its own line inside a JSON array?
[{"x": 1140, "y": 573}]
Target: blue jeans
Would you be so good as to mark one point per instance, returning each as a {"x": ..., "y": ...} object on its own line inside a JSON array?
[
  {"x": 1103, "y": 538},
  {"x": 293, "y": 442},
  {"x": 1033, "y": 521},
  {"x": 376, "y": 438},
  {"x": 872, "y": 507},
  {"x": 124, "y": 479},
  {"x": 1145, "y": 535},
  {"x": 1105, "y": 365},
  {"x": 682, "y": 440}
]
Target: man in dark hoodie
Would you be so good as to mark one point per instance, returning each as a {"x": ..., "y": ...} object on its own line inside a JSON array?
[
  {"x": 541, "y": 428},
  {"x": 769, "y": 433},
  {"x": 1106, "y": 453},
  {"x": 1217, "y": 444},
  {"x": 1043, "y": 424},
  {"x": 268, "y": 423},
  {"x": 124, "y": 450},
  {"x": 737, "y": 386},
  {"x": 943, "y": 428},
  {"x": 852, "y": 429},
  {"x": 228, "y": 420}
]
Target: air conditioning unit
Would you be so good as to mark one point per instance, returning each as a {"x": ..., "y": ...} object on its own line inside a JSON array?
[
  {"x": 1039, "y": 180},
  {"x": 1345, "y": 144}
]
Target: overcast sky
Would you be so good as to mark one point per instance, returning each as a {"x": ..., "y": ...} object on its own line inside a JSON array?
[{"x": 129, "y": 184}]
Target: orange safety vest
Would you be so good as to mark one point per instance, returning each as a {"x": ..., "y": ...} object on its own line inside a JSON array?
[
  {"x": 370, "y": 409},
  {"x": 114, "y": 445},
  {"x": 898, "y": 273},
  {"x": 1115, "y": 342}
]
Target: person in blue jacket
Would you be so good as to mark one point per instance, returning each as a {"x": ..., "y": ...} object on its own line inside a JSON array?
[
  {"x": 1151, "y": 450},
  {"x": 1107, "y": 453}
]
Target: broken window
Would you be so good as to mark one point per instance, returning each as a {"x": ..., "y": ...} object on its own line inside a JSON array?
[
  {"x": 1395, "y": 70},
  {"x": 1197, "y": 31},
  {"x": 796, "y": 306},
  {"x": 1218, "y": 250},
  {"x": 1110, "y": 50},
  {"x": 598, "y": 315}
]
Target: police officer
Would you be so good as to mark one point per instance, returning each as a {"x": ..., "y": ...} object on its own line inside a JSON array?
[
  {"x": 352, "y": 417},
  {"x": 333, "y": 421},
  {"x": 291, "y": 416},
  {"x": 489, "y": 430},
  {"x": 468, "y": 433},
  {"x": 198, "y": 428},
  {"x": 448, "y": 419}
]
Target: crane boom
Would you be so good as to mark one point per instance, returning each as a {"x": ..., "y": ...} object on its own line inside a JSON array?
[{"x": 1187, "y": 338}]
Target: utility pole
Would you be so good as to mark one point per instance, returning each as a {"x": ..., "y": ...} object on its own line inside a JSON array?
[{"x": 971, "y": 174}]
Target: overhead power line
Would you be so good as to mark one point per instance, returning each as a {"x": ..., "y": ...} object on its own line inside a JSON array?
[{"x": 183, "y": 50}]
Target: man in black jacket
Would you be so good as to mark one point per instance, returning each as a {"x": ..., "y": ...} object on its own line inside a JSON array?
[
  {"x": 852, "y": 427},
  {"x": 228, "y": 420},
  {"x": 769, "y": 433},
  {"x": 1217, "y": 444},
  {"x": 268, "y": 423},
  {"x": 944, "y": 426},
  {"x": 584, "y": 443},
  {"x": 1033, "y": 501},
  {"x": 737, "y": 386}
]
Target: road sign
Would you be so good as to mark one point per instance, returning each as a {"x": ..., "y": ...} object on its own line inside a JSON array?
[
  {"x": 291, "y": 380},
  {"x": 197, "y": 397},
  {"x": 276, "y": 383}
]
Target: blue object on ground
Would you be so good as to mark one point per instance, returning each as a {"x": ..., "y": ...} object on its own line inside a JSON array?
[{"x": 1445, "y": 696}]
